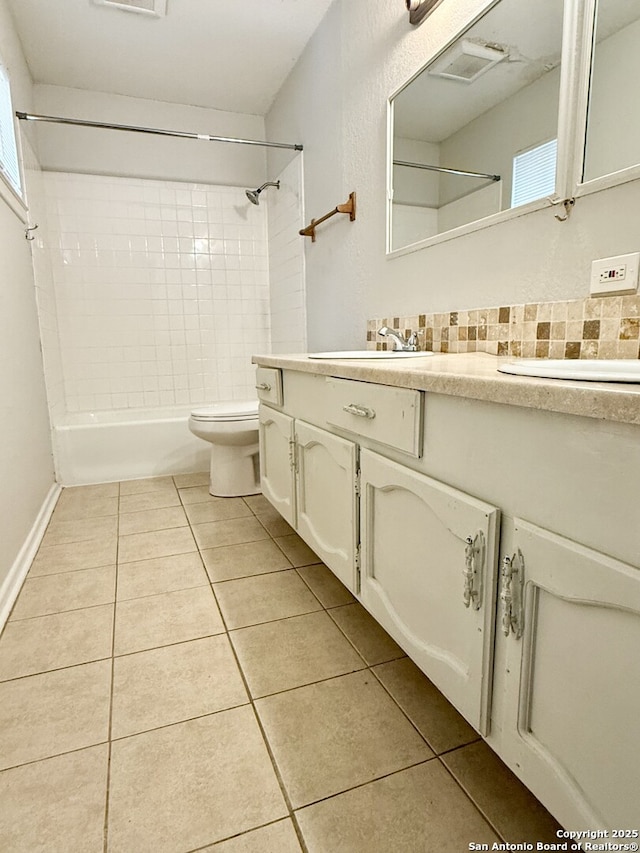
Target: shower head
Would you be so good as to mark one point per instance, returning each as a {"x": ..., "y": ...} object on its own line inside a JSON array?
[{"x": 254, "y": 195}]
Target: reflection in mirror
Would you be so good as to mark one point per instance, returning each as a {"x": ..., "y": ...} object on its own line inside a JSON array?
[
  {"x": 613, "y": 128},
  {"x": 474, "y": 133}
]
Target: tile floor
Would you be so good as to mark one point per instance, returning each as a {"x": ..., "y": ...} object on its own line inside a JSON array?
[{"x": 180, "y": 673}]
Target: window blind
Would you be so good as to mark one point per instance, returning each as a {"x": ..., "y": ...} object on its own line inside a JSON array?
[
  {"x": 534, "y": 173},
  {"x": 9, "y": 165}
]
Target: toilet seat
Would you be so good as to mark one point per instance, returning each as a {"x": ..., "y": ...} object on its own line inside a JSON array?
[{"x": 231, "y": 410}]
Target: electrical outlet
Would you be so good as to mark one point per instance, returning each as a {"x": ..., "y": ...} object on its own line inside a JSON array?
[
  {"x": 617, "y": 275},
  {"x": 613, "y": 274}
]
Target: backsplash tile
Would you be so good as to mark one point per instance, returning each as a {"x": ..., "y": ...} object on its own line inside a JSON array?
[{"x": 606, "y": 327}]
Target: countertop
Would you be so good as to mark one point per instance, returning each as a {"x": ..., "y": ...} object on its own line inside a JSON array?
[{"x": 475, "y": 376}]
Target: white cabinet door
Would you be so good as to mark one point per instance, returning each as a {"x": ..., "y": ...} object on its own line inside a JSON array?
[
  {"x": 327, "y": 500},
  {"x": 572, "y": 726},
  {"x": 429, "y": 555},
  {"x": 276, "y": 468}
]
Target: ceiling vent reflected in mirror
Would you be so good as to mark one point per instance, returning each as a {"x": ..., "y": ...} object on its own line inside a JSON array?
[
  {"x": 153, "y": 8},
  {"x": 466, "y": 60}
]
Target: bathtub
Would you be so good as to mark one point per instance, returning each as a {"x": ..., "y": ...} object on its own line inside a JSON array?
[{"x": 100, "y": 447}]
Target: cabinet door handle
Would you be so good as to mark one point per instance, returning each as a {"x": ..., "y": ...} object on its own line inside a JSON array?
[
  {"x": 263, "y": 386},
  {"x": 511, "y": 594},
  {"x": 359, "y": 411},
  {"x": 474, "y": 554}
]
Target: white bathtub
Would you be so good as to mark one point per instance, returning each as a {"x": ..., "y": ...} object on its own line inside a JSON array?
[{"x": 125, "y": 445}]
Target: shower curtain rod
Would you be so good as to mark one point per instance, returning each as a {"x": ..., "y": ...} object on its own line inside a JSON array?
[
  {"x": 448, "y": 171},
  {"x": 135, "y": 129}
]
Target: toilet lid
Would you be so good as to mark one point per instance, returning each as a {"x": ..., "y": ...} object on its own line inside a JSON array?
[{"x": 229, "y": 410}]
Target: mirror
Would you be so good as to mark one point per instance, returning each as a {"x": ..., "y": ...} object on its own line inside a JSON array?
[
  {"x": 613, "y": 128},
  {"x": 474, "y": 133}
]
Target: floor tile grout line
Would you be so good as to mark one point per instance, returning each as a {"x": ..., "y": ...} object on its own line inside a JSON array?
[
  {"x": 161, "y": 557},
  {"x": 174, "y": 723},
  {"x": 153, "y": 594},
  {"x": 475, "y": 805},
  {"x": 56, "y": 669},
  {"x": 308, "y": 585},
  {"x": 436, "y": 752},
  {"x": 111, "y": 691},
  {"x": 170, "y": 645},
  {"x": 344, "y": 633},
  {"x": 68, "y": 571},
  {"x": 237, "y": 835},
  {"x": 276, "y": 769},
  {"x": 54, "y": 755},
  {"x": 247, "y": 577},
  {"x": 308, "y": 684},
  {"x": 60, "y": 612},
  {"x": 367, "y": 782}
]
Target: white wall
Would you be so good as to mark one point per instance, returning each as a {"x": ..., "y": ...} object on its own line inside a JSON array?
[
  {"x": 112, "y": 152},
  {"x": 335, "y": 103},
  {"x": 26, "y": 467},
  {"x": 286, "y": 261}
]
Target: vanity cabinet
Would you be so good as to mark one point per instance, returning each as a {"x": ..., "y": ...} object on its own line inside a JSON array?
[
  {"x": 570, "y": 622},
  {"x": 277, "y": 474},
  {"x": 326, "y": 499},
  {"x": 309, "y": 476},
  {"x": 421, "y": 556},
  {"x": 429, "y": 556},
  {"x": 500, "y": 548}
]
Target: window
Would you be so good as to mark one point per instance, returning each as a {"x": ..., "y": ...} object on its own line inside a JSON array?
[
  {"x": 9, "y": 166},
  {"x": 534, "y": 173}
]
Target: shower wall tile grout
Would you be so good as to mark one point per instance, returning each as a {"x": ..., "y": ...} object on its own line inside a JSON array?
[{"x": 161, "y": 290}]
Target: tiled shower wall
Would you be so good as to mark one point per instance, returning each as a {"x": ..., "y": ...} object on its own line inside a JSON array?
[{"x": 161, "y": 290}]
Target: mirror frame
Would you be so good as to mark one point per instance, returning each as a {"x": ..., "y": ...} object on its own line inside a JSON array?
[
  {"x": 602, "y": 182},
  {"x": 579, "y": 21}
]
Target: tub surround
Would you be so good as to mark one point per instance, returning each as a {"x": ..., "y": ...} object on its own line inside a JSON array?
[
  {"x": 475, "y": 376},
  {"x": 100, "y": 447},
  {"x": 601, "y": 327}
]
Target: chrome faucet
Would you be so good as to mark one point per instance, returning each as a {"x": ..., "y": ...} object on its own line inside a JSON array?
[{"x": 399, "y": 342}]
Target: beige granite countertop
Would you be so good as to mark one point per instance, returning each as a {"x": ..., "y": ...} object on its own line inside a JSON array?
[{"x": 475, "y": 376}]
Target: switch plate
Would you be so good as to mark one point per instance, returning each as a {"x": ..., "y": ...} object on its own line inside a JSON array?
[{"x": 617, "y": 275}]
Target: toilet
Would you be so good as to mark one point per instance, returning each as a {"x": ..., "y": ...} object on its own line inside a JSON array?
[{"x": 232, "y": 429}]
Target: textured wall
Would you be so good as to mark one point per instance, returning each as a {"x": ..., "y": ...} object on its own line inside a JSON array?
[
  {"x": 286, "y": 261},
  {"x": 26, "y": 466},
  {"x": 113, "y": 152},
  {"x": 335, "y": 103}
]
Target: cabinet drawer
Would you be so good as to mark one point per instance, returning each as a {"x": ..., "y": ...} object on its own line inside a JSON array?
[
  {"x": 390, "y": 416},
  {"x": 269, "y": 385}
]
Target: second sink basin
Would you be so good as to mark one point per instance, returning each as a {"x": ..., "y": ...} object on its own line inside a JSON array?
[
  {"x": 367, "y": 353},
  {"x": 594, "y": 370}
]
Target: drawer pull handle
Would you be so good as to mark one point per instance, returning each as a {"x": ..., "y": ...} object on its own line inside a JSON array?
[
  {"x": 359, "y": 411},
  {"x": 263, "y": 386}
]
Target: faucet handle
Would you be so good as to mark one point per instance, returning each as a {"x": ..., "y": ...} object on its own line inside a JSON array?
[{"x": 412, "y": 343}]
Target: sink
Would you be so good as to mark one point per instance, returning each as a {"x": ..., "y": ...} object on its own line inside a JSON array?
[
  {"x": 594, "y": 370},
  {"x": 368, "y": 353}
]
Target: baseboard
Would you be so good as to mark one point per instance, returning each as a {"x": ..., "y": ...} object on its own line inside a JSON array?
[{"x": 17, "y": 573}]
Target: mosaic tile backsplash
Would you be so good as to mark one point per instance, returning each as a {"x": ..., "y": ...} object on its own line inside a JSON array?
[{"x": 606, "y": 327}]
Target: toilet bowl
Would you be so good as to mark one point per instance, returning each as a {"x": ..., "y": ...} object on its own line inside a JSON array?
[{"x": 232, "y": 430}]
